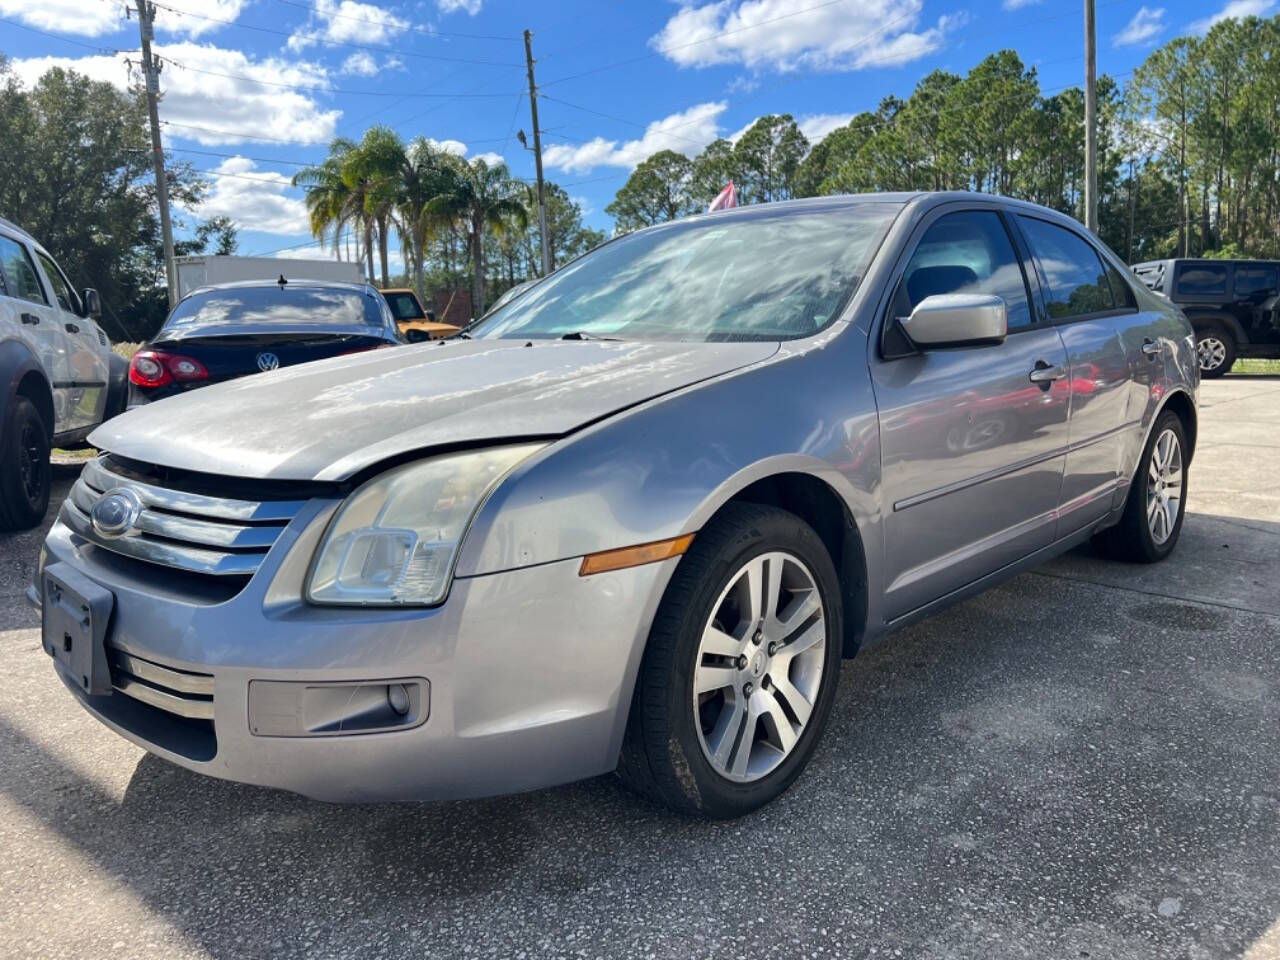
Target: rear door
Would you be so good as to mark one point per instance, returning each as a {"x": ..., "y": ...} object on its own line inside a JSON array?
[
  {"x": 1255, "y": 288},
  {"x": 37, "y": 322},
  {"x": 1112, "y": 359},
  {"x": 85, "y": 346},
  {"x": 972, "y": 447}
]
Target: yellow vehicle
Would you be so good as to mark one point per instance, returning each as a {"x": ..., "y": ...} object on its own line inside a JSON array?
[{"x": 415, "y": 323}]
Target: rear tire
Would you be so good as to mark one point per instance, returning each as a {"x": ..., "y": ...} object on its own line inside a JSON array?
[
  {"x": 695, "y": 705},
  {"x": 1215, "y": 350},
  {"x": 24, "y": 467},
  {"x": 1149, "y": 528}
]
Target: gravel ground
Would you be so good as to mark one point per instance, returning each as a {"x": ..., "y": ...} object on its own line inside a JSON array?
[{"x": 1082, "y": 763}]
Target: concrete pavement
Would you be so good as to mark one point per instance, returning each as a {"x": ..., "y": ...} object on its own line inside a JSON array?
[{"x": 1082, "y": 763}]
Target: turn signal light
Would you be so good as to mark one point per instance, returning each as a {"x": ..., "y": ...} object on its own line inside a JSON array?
[
  {"x": 155, "y": 368},
  {"x": 634, "y": 556}
]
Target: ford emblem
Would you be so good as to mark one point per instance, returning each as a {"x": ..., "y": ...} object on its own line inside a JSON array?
[
  {"x": 268, "y": 361},
  {"x": 115, "y": 513}
]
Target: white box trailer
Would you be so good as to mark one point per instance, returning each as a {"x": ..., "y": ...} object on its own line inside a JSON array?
[{"x": 202, "y": 271}]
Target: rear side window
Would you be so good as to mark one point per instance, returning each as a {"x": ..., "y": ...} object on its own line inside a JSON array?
[
  {"x": 19, "y": 271},
  {"x": 1202, "y": 280},
  {"x": 1121, "y": 292},
  {"x": 404, "y": 306},
  {"x": 1078, "y": 285},
  {"x": 968, "y": 252},
  {"x": 1257, "y": 280}
]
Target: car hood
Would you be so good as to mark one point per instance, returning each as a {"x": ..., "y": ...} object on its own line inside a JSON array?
[{"x": 330, "y": 419}]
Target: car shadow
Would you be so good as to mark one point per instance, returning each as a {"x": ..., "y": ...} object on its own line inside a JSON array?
[{"x": 1081, "y": 737}]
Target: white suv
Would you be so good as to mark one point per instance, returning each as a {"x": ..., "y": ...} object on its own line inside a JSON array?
[{"x": 58, "y": 376}]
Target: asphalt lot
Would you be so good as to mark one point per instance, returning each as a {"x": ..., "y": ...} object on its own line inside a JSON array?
[{"x": 1082, "y": 763}]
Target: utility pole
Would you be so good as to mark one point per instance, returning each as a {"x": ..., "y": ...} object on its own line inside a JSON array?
[
  {"x": 1090, "y": 119},
  {"x": 537, "y": 153},
  {"x": 151, "y": 75}
]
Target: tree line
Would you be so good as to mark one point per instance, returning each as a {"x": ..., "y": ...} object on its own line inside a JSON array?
[{"x": 1188, "y": 150}]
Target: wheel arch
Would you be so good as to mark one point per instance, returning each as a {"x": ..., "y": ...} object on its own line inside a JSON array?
[
  {"x": 815, "y": 500},
  {"x": 22, "y": 376},
  {"x": 1180, "y": 402},
  {"x": 1202, "y": 318}
]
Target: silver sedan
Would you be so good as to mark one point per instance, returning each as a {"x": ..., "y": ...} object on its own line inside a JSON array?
[{"x": 635, "y": 520}]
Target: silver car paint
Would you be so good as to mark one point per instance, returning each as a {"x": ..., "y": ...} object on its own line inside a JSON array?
[{"x": 532, "y": 666}]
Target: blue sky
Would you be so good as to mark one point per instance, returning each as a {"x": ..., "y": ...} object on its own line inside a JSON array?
[{"x": 255, "y": 87}]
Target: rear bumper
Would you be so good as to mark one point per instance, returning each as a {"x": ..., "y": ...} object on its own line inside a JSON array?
[{"x": 528, "y": 673}]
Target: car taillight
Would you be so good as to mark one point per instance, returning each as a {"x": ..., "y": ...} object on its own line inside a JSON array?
[{"x": 155, "y": 368}]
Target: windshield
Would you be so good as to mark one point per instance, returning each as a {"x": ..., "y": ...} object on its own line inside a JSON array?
[
  {"x": 777, "y": 275},
  {"x": 274, "y": 304}
]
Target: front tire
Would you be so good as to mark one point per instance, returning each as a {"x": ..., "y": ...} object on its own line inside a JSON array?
[
  {"x": 24, "y": 467},
  {"x": 741, "y": 667},
  {"x": 1152, "y": 520},
  {"x": 1215, "y": 350}
]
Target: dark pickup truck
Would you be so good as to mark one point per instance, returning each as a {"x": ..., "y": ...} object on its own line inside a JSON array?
[{"x": 1234, "y": 306}]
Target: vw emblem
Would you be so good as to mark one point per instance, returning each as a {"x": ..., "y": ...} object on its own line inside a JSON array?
[
  {"x": 268, "y": 361},
  {"x": 115, "y": 513}
]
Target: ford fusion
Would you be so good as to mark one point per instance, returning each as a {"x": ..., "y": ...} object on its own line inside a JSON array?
[
  {"x": 635, "y": 521},
  {"x": 226, "y": 331}
]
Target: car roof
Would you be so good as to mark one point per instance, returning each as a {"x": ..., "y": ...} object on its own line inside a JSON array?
[
  {"x": 300, "y": 282},
  {"x": 12, "y": 227},
  {"x": 398, "y": 290}
]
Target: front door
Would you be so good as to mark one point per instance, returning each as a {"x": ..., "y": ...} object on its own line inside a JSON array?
[
  {"x": 86, "y": 382},
  {"x": 1256, "y": 303},
  {"x": 972, "y": 438},
  {"x": 37, "y": 323}
]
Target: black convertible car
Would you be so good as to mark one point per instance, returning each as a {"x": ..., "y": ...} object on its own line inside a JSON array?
[{"x": 222, "y": 332}]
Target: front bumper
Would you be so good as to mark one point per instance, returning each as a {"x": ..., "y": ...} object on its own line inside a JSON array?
[{"x": 529, "y": 673}]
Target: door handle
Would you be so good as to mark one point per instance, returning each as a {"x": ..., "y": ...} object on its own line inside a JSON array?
[
  {"x": 30, "y": 318},
  {"x": 72, "y": 328},
  {"x": 1045, "y": 373},
  {"x": 1151, "y": 348}
]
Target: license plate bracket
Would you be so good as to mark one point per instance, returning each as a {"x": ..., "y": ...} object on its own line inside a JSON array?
[{"x": 74, "y": 615}]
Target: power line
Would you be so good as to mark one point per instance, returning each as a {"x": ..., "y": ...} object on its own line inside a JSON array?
[
  {"x": 111, "y": 51},
  {"x": 316, "y": 38},
  {"x": 394, "y": 24}
]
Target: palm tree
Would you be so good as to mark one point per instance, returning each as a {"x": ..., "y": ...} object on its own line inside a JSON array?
[
  {"x": 328, "y": 197},
  {"x": 375, "y": 172},
  {"x": 424, "y": 177},
  {"x": 479, "y": 199}
]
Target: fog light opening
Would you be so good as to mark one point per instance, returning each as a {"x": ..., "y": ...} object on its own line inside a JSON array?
[{"x": 398, "y": 698}]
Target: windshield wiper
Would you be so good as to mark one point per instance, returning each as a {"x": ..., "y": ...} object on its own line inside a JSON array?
[{"x": 583, "y": 335}]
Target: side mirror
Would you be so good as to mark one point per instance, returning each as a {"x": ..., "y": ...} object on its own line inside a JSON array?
[
  {"x": 92, "y": 303},
  {"x": 414, "y": 335},
  {"x": 957, "y": 320}
]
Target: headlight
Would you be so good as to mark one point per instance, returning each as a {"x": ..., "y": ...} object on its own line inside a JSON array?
[{"x": 395, "y": 539}]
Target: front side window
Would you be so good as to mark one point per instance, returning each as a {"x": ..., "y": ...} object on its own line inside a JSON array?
[
  {"x": 1078, "y": 285},
  {"x": 1257, "y": 281},
  {"x": 62, "y": 291},
  {"x": 1202, "y": 280},
  {"x": 404, "y": 306},
  {"x": 773, "y": 274},
  {"x": 20, "y": 272},
  {"x": 967, "y": 252}
]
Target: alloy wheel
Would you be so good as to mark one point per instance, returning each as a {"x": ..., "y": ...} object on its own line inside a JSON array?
[
  {"x": 29, "y": 457},
  {"x": 1164, "y": 486},
  {"x": 759, "y": 666},
  {"x": 1211, "y": 352}
]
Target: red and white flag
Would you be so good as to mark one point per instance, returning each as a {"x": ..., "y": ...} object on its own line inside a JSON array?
[{"x": 726, "y": 198}]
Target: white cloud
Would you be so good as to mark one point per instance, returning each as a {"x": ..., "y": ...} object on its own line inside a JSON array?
[
  {"x": 364, "y": 64},
  {"x": 816, "y": 126},
  {"x": 89, "y": 19},
  {"x": 773, "y": 34},
  {"x": 470, "y": 7},
  {"x": 1018, "y": 4},
  {"x": 490, "y": 158},
  {"x": 208, "y": 14},
  {"x": 685, "y": 132},
  {"x": 1234, "y": 10},
  {"x": 1146, "y": 24},
  {"x": 261, "y": 200},
  {"x": 227, "y": 109},
  {"x": 347, "y": 21},
  {"x": 456, "y": 147}
]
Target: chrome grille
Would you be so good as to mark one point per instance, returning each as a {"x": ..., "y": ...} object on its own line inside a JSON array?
[
  {"x": 180, "y": 692},
  {"x": 186, "y": 531}
]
